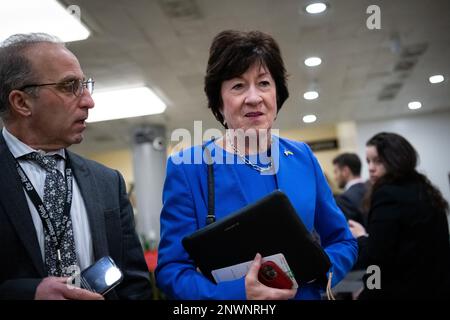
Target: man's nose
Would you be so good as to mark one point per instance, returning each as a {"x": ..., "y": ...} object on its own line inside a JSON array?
[{"x": 86, "y": 100}]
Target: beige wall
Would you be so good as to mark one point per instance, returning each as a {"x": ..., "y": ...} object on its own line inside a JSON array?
[
  {"x": 347, "y": 136},
  {"x": 121, "y": 160}
]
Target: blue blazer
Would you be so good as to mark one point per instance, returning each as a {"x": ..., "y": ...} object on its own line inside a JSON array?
[{"x": 184, "y": 210}]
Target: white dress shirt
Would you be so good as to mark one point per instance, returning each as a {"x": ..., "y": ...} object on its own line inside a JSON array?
[
  {"x": 353, "y": 182},
  {"x": 78, "y": 213}
]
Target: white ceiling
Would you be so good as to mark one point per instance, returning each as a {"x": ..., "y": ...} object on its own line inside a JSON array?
[{"x": 165, "y": 43}]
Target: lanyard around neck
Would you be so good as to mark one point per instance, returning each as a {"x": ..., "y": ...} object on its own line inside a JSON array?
[{"x": 39, "y": 205}]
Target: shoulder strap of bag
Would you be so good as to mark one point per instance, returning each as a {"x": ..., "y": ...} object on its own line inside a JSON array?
[{"x": 211, "y": 217}]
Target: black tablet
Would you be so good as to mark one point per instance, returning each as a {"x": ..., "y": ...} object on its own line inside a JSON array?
[{"x": 268, "y": 226}]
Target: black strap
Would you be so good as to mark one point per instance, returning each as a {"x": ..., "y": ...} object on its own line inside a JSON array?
[
  {"x": 39, "y": 205},
  {"x": 211, "y": 217}
]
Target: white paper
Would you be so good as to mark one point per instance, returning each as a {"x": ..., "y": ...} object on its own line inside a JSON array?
[{"x": 238, "y": 271}]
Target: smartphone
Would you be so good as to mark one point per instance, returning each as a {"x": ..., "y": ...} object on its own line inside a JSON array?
[
  {"x": 101, "y": 277},
  {"x": 271, "y": 275}
]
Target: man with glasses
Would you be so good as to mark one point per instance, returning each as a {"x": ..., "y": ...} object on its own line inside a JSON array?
[{"x": 59, "y": 212}]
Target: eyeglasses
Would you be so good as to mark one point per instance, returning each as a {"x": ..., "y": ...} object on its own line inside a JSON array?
[{"x": 73, "y": 86}]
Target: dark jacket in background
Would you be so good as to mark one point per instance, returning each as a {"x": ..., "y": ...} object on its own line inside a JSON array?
[
  {"x": 350, "y": 202},
  {"x": 409, "y": 241}
]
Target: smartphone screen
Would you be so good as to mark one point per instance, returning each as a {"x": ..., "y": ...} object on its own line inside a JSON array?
[{"x": 102, "y": 276}]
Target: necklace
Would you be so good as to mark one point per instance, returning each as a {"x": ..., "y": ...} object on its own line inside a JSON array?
[{"x": 247, "y": 161}]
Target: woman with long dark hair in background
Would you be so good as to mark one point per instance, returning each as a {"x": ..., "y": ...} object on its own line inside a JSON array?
[{"x": 408, "y": 235}]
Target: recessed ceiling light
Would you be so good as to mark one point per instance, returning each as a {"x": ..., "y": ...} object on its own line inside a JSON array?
[
  {"x": 313, "y": 61},
  {"x": 311, "y": 95},
  {"x": 48, "y": 16},
  {"x": 310, "y": 118},
  {"x": 436, "y": 78},
  {"x": 316, "y": 7},
  {"x": 125, "y": 103},
  {"x": 413, "y": 105}
]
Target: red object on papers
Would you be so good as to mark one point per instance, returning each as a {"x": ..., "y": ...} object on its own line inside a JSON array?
[{"x": 151, "y": 257}]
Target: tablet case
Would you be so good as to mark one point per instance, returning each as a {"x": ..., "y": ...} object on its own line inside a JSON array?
[{"x": 268, "y": 226}]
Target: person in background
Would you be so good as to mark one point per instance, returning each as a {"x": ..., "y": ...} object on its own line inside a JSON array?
[
  {"x": 59, "y": 212},
  {"x": 246, "y": 87},
  {"x": 407, "y": 235},
  {"x": 347, "y": 173}
]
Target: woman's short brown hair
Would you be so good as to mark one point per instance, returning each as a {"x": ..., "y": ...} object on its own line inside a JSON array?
[{"x": 232, "y": 53}]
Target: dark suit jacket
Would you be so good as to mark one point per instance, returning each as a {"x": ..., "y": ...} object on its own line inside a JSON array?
[
  {"x": 409, "y": 241},
  {"x": 111, "y": 221},
  {"x": 350, "y": 202}
]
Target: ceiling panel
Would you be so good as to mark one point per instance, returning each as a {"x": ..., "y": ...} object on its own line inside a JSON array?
[{"x": 165, "y": 43}]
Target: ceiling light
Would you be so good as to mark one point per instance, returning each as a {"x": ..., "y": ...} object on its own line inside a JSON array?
[
  {"x": 436, "y": 78},
  {"x": 316, "y": 7},
  {"x": 310, "y": 118},
  {"x": 313, "y": 61},
  {"x": 125, "y": 103},
  {"x": 311, "y": 95},
  {"x": 413, "y": 105},
  {"x": 48, "y": 16}
]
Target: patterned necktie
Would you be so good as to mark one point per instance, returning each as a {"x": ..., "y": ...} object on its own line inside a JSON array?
[{"x": 60, "y": 263}]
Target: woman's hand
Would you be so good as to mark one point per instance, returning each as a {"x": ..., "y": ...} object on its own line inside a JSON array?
[
  {"x": 255, "y": 290},
  {"x": 357, "y": 229}
]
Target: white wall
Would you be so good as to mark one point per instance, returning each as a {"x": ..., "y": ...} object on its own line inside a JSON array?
[{"x": 430, "y": 136}]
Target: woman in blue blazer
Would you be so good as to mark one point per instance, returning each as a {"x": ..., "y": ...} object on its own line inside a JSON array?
[{"x": 246, "y": 87}]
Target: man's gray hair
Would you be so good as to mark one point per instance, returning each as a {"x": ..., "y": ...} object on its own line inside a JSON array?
[{"x": 16, "y": 69}]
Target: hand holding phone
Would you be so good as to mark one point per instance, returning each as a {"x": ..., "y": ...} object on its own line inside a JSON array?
[
  {"x": 271, "y": 275},
  {"x": 102, "y": 276}
]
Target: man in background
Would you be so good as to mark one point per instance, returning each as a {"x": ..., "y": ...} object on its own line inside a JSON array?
[
  {"x": 347, "y": 172},
  {"x": 59, "y": 212}
]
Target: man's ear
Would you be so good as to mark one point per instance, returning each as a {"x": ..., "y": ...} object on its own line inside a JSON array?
[
  {"x": 347, "y": 172},
  {"x": 20, "y": 103}
]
